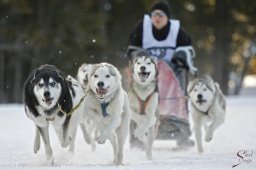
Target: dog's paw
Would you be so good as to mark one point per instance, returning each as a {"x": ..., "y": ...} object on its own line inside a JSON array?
[
  {"x": 93, "y": 146},
  {"x": 140, "y": 135},
  {"x": 36, "y": 147},
  {"x": 50, "y": 161},
  {"x": 117, "y": 162},
  {"x": 149, "y": 156},
  {"x": 208, "y": 137},
  {"x": 200, "y": 150},
  {"x": 102, "y": 139}
]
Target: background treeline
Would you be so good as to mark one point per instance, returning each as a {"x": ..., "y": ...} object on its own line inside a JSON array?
[{"x": 68, "y": 33}]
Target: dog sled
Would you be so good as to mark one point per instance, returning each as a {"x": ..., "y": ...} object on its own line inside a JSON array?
[{"x": 173, "y": 106}]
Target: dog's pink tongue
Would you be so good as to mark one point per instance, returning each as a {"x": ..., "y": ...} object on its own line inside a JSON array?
[
  {"x": 101, "y": 91},
  {"x": 143, "y": 77}
]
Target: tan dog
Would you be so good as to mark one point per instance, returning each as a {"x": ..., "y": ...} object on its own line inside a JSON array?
[{"x": 143, "y": 98}]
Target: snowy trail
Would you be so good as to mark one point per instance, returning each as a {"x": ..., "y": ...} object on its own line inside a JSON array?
[{"x": 238, "y": 133}]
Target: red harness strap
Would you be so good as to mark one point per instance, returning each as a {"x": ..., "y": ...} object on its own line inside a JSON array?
[{"x": 144, "y": 103}]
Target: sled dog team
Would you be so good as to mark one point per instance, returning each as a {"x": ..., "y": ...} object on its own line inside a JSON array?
[{"x": 97, "y": 103}]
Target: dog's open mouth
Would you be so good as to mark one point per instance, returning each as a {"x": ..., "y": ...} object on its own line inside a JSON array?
[
  {"x": 48, "y": 101},
  {"x": 144, "y": 76},
  {"x": 201, "y": 101},
  {"x": 101, "y": 92}
]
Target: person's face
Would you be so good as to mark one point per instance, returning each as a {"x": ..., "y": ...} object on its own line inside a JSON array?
[{"x": 159, "y": 18}]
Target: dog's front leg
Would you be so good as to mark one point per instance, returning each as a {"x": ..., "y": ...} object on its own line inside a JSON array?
[
  {"x": 44, "y": 131},
  {"x": 59, "y": 132},
  {"x": 198, "y": 130},
  {"x": 138, "y": 119},
  {"x": 37, "y": 140},
  {"x": 150, "y": 140},
  {"x": 97, "y": 120},
  {"x": 216, "y": 121},
  {"x": 151, "y": 113},
  {"x": 86, "y": 134},
  {"x": 113, "y": 142},
  {"x": 38, "y": 120},
  {"x": 142, "y": 129},
  {"x": 150, "y": 117},
  {"x": 110, "y": 129}
]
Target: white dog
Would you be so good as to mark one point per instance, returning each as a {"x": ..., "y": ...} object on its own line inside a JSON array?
[
  {"x": 83, "y": 73},
  {"x": 49, "y": 98},
  {"x": 143, "y": 98},
  {"x": 108, "y": 106},
  {"x": 87, "y": 125},
  {"x": 207, "y": 106}
]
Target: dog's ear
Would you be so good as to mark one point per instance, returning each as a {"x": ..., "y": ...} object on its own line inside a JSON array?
[
  {"x": 190, "y": 87},
  {"x": 153, "y": 59},
  {"x": 28, "y": 94},
  {"x": 94, "y": 68},
  {"x": 112, "y": 70},
  {"x": 208, "y": 77},
  {"x": 35, "y": 72},
  {"x": 134, "y": 60},
  {"x": 60, "y": 75},
  {"x": 82, "y": 66}
]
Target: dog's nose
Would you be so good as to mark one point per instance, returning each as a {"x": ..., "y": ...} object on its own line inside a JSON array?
[
  {"x": 46, "y": 94},
  {"x": 199, "y": 96},
  {"x": 142, "y": 68},
  {"x": 100, "y": 84}
]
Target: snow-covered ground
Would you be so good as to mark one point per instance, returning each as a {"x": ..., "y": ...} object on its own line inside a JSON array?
[{"x": 238, "y": 133}]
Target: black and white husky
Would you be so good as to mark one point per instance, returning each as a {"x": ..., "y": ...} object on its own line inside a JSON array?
[{"x": 50, "y": 98}]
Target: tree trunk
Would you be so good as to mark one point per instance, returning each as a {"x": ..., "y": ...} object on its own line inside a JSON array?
[
  {"x": 2, "y": 93},
  {"x": 221, "y": 51},
  {"x": 17, "y": 89}
]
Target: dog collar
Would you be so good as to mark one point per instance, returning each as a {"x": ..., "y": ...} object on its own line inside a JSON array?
[
  {"x": 104, "y": 109},
  {"x": 73, "y": 109}
]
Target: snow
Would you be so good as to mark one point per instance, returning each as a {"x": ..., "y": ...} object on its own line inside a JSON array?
[{"x": 238, "y": 133}]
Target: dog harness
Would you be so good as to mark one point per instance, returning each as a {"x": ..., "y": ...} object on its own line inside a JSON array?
[
  {"x": 104, "y": 109},
  {"x": 73, "y": 109},
  {"x": 144, "y": 103}
]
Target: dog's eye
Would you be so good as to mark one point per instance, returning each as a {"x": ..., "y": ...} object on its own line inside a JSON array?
[
  {"x": 195, "y": 90},
  {"x": 148, "y": 63},
  {"x": 52, "y": 84},
  {"x": 205, "y": 89},
  {"x": 40, "y": 84},
  {"x": 108, "y": 76},
  {"x": 138, "y": 63},
  {"x": 95, "y": 76}
]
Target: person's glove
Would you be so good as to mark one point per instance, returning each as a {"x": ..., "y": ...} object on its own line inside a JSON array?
[{"x": 190, "y": 55}]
